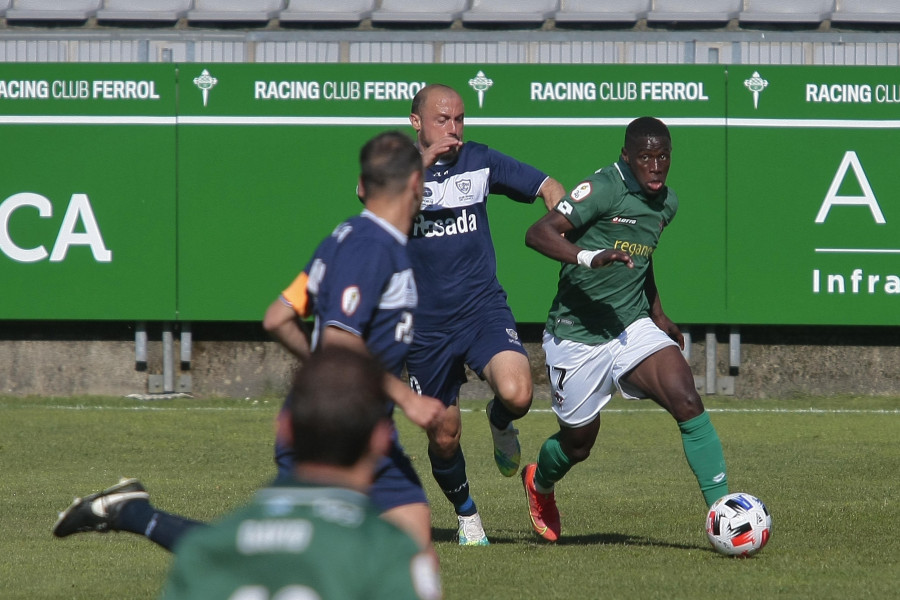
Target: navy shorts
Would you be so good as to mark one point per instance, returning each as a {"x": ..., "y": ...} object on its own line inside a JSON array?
[
  {"x": 437, "y": 359},
  {"x": 396, "y": 482}
]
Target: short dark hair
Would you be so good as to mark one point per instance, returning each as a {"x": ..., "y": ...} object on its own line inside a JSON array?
[
  {"x": 387, "y": 160},
  {"x": 422, "y": 94},
  {"x": 644, "y": 127},
  {"x": 337, "y": 399}
]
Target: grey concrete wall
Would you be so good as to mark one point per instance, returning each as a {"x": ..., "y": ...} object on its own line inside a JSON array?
[
  {"x": 239, "y": 362},
  {"x": 791, "y": 362}
]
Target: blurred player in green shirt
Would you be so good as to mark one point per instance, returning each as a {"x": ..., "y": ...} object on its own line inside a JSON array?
[{"x": 317, "y": 536}]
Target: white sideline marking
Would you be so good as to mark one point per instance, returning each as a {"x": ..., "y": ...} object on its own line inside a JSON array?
[
  {"x": 798, "y": 411},
  {"x": 835, "y": 411},
  {"x": 170, "y": 120},
  {"x": 158, "y": 408}
]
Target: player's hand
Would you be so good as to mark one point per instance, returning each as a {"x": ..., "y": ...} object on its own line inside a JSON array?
[
  {"x": 424, "y": 411},
  {"x": 445, "y": 145},
  {"x": 669, "y": 328},
  {"x": 608, "y": 257}
]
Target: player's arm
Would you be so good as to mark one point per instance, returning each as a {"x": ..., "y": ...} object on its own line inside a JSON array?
[
  {"x": 284, "y": 325},
  {"x": 551, "y": 192},
  {"x": 656, "y": 311},
  {"x": 424, "y": 411},
  {"x": 439, "y": 148},
  {"x": 547, "y": 237}
]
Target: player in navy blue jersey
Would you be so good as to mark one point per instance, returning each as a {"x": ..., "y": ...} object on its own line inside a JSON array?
[
  {"x": 463, "y": 317},
  {"x": 360, "y": 288},
  {"x": 359, "y": 285}
]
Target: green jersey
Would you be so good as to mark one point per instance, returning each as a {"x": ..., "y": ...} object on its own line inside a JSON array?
[
  {"x": 608, "y": 211},
  {"x": 301, "y": 541}
]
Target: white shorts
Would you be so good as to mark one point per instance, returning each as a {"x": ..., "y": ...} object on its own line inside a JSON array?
[{"x": 583, "y": 377}]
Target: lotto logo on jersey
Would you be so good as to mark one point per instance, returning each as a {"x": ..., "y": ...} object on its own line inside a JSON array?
[
  {"x": 581, "y": 192},
  {"x": 350, "y": 300}
]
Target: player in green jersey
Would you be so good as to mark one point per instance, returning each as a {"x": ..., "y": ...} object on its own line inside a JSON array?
[
  {"x": 317, "y": 536},
  {"x": 606, "y": 330}
]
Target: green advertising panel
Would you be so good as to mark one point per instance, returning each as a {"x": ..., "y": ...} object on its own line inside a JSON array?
[
  {"x": 268, "y": 165},
  {"x": 198, "y": 192},
  {"x": 813, "y": 214},
  {"x": 87, "y": 192},
  {"x": 262, "y": 179}
]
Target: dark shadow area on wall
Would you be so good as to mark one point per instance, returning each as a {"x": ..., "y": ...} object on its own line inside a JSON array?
[
  {"x": 803, "y": 335},
  {"x": 251, "y": 331}
]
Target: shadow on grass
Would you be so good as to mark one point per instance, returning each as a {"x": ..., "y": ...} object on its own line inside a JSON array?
[
  {"x": 591, "y": 539},
  {"x": 620, "y": 539},
  {"x": 446, "y": 535}
]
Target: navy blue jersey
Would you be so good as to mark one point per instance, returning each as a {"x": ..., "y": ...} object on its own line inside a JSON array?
[
  {"x": 450, "y": 247},
  {"x": 360, "y": 280}
]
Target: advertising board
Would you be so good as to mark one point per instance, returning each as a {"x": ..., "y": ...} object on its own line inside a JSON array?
[
  {"x": 813, "y": 210},
  {"x": 197, "y": 192},
  {"x": 87, "y": 192}
]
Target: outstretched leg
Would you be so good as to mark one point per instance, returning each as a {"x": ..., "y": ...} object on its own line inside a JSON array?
[
  {"x": 666, "y": 378},
  {"x": 123, "y": 507}
]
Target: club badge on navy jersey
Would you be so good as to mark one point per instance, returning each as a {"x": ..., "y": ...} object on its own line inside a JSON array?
[{"x": 350, "y": 300}]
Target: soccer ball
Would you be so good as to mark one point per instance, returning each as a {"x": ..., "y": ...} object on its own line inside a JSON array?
[{"x": 738, "y": 525}]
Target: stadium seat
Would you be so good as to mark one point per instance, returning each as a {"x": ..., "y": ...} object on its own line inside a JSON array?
[
  {"x": 419, "y": 11},
  {"x": 234, "y": 10},
  {"x": 337, "y": 11},
  {"x": 52, "y": 10},
  {"x": 510, "y": 11},
  {"x": 591, "y": 11},
  {"x": 867, "y": 11},
  {"x": 140, "y": 10},
  {"x": 692, "y": 11},
  {"x": 782, "y": 11}
]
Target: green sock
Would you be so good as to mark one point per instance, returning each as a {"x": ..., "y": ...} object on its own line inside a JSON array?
[
  {"x": 703, "y": 451},
  {"x": 552, "y": 464}
]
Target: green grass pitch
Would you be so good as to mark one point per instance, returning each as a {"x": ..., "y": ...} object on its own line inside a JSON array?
[{"x": 632, "y": 515}]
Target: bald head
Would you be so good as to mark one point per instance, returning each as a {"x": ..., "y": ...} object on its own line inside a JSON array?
[{"x": 421, "y": 97}]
